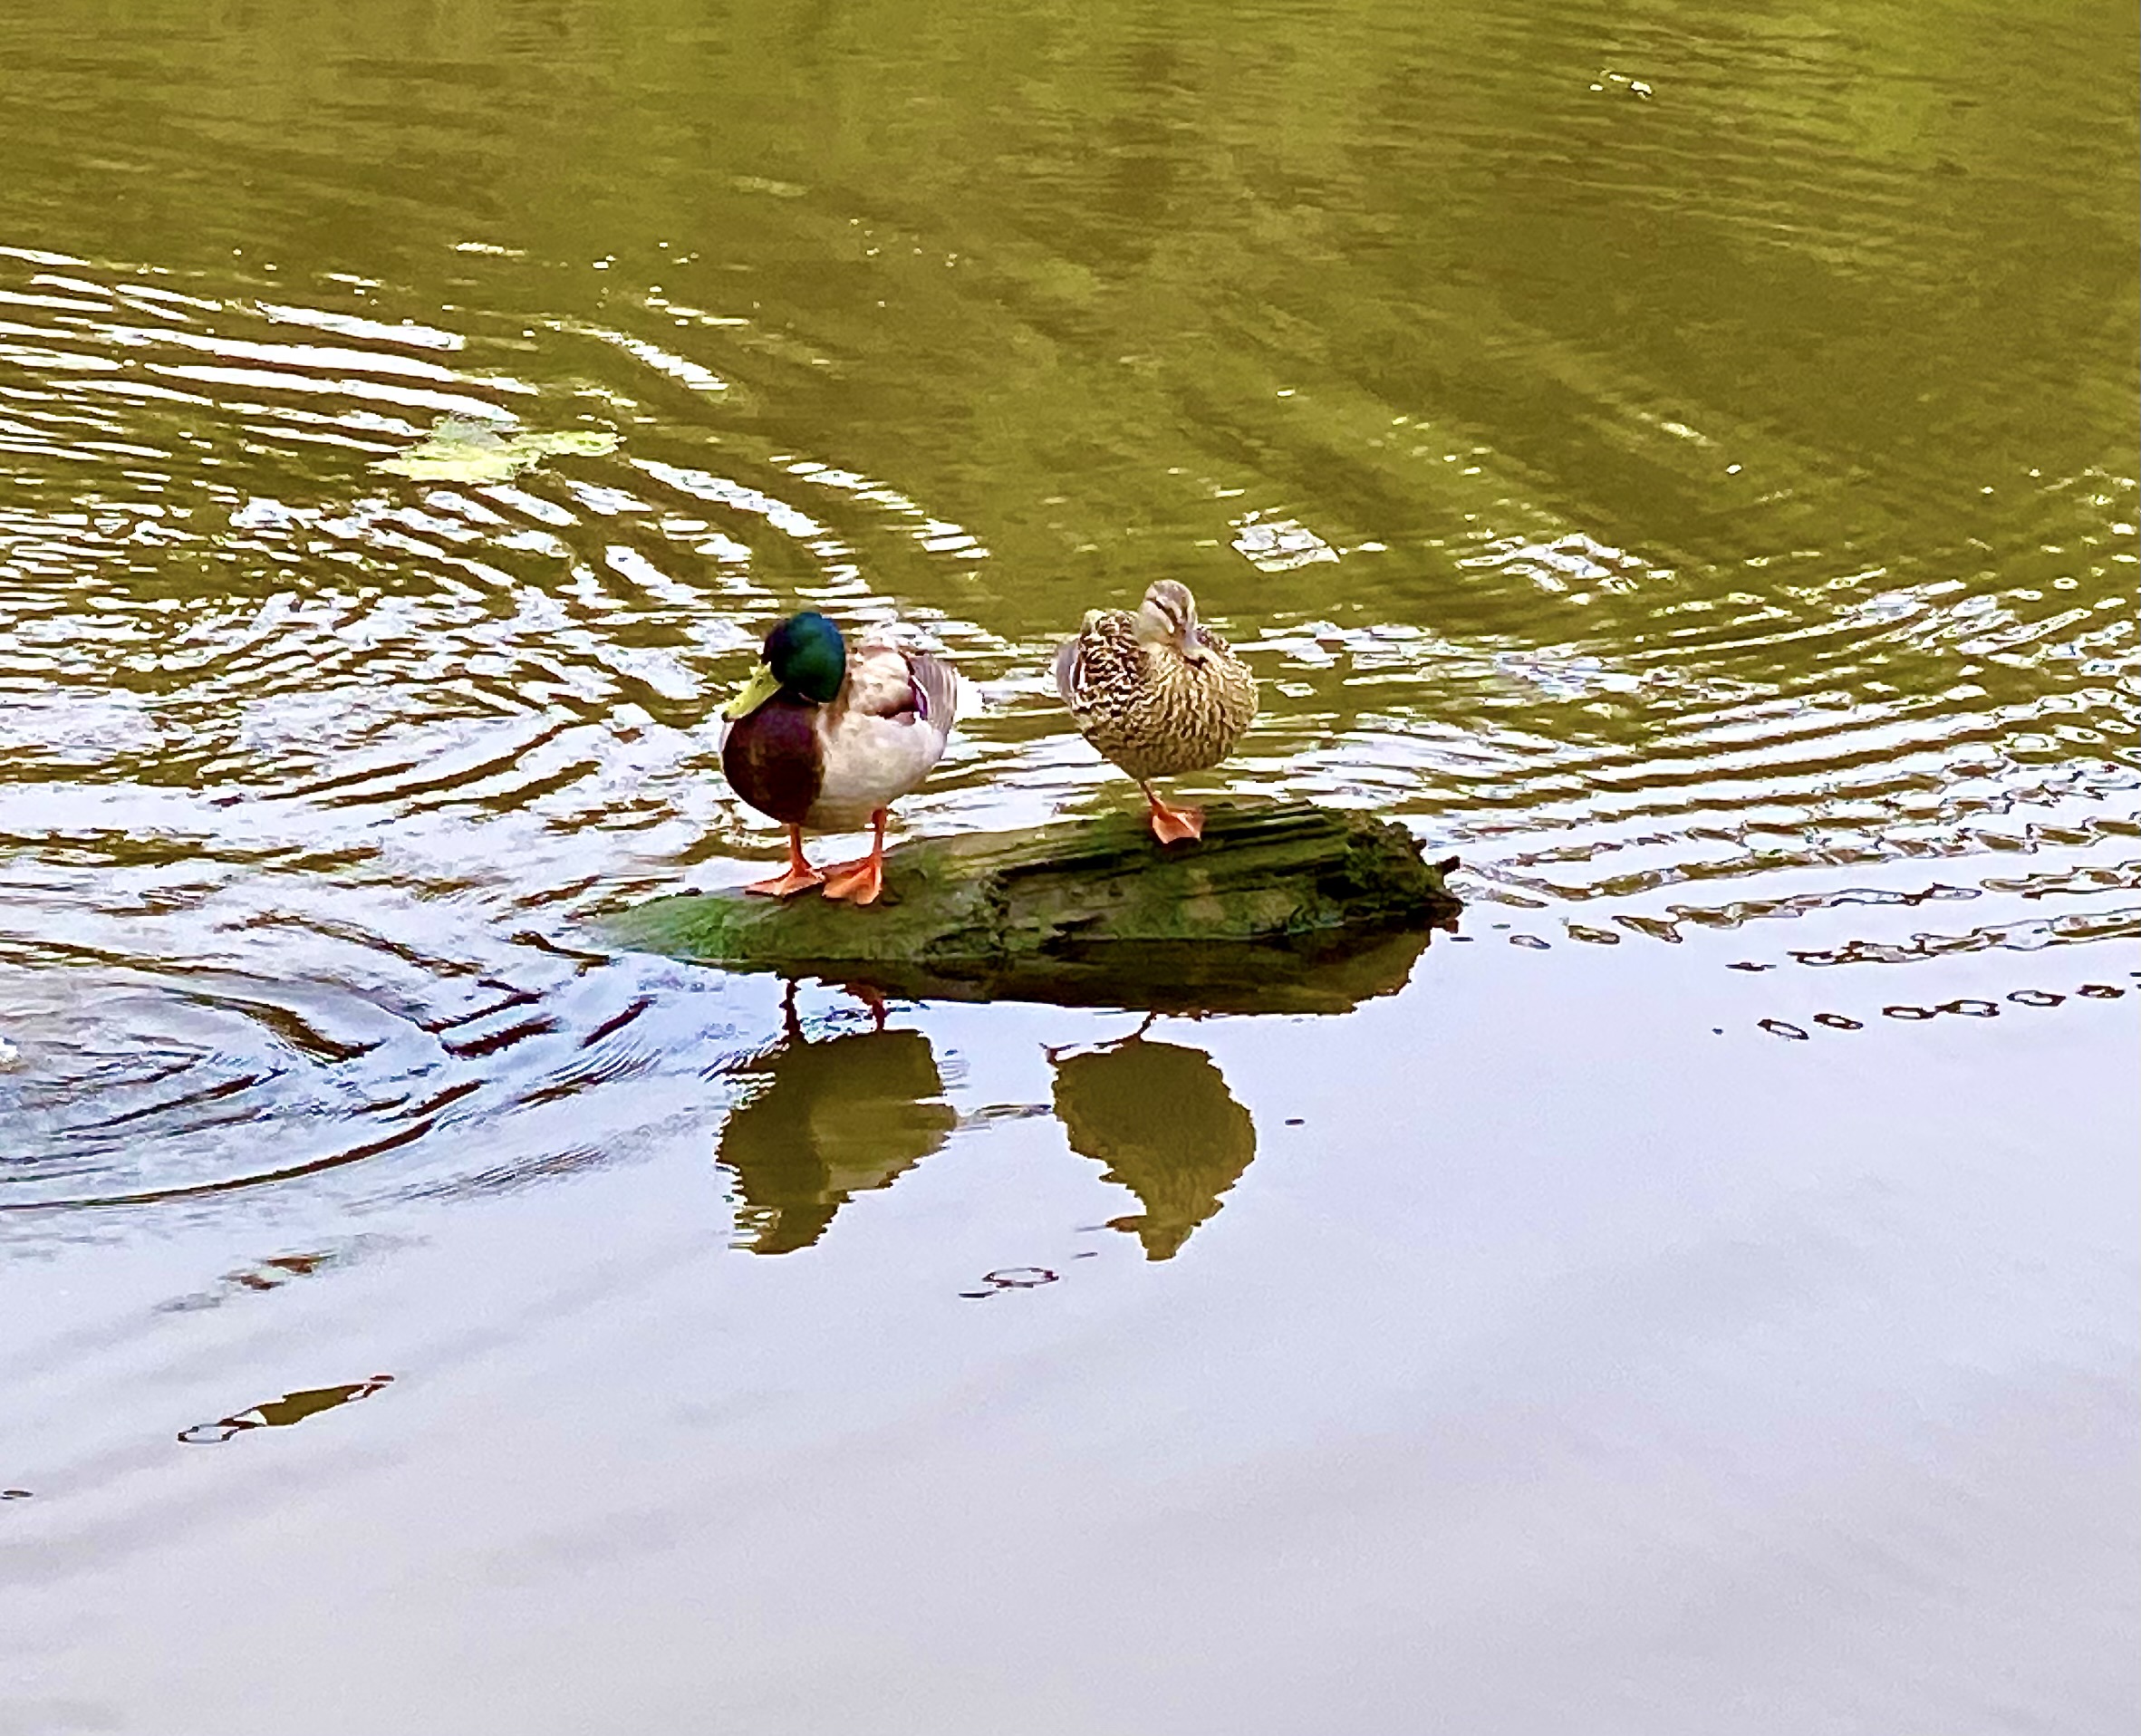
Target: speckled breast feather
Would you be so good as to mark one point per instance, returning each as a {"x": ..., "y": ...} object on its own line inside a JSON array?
[{"x": 1148, "y": 709}]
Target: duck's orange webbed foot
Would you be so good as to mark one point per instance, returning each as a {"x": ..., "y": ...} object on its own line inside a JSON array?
[
  {"x": 1174, "y": 824},
  {"x": 800, "y": 877},
  {"x": 860, "y": 882},
  {"x": 788, "y": 884}
]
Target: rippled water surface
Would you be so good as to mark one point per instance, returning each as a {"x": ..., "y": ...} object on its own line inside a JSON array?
[{"x": 1679, "y": 460}]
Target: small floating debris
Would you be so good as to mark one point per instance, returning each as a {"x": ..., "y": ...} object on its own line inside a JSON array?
[
  {"x": 1280, "y": 545},
  {"x": 766, "y": 185},
  {"x": 1011, "y": 1278},
  {"x": 463, "y": 449},
  {"x": 281, "y": 1412}
]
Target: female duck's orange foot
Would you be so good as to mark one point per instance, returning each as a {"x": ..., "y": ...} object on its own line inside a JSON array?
[
  {"x": 798, "y": 879},
  {"x": 859, "y": 882},
  {"x": 1176, "y": 825}
]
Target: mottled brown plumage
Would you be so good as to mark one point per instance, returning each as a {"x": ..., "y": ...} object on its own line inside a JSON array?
[{"x": 1157, "y": 694}]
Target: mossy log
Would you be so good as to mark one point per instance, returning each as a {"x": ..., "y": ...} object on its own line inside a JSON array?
[{"x": 1280, "y": 907}]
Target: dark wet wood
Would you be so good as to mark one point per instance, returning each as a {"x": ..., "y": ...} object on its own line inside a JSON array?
[{"x": 1284, "y": 907}]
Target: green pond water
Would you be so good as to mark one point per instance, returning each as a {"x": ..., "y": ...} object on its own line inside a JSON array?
[{"x": 1677, "y": 459}]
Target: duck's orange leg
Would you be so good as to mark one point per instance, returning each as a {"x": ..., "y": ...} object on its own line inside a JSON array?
[
  {"x": 800, "y": 877},
  {"x": 1174, "y": 824},
  {"x": 861, "y": 881}
]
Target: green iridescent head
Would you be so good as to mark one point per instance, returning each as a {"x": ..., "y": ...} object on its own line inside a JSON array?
[{"x": 804, "y": 656}]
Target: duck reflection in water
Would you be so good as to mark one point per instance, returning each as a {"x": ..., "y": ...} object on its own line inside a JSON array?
[
  {"x": 822, "y": 1122},
  {"x": 1159, "y": 1116}
]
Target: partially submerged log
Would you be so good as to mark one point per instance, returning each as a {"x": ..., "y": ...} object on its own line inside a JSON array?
[{"x": 1284, "y": 907}]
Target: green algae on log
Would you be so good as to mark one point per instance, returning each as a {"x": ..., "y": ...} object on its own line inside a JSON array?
[{"x": 1268, "y": 910}]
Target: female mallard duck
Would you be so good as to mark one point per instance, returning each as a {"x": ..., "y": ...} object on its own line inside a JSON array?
[
  {"x": 1157, "y": 694},
  {"x": 825, "y": 740}
]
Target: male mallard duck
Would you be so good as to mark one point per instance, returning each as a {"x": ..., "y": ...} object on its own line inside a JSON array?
[
  {"x": 822, "y": 739},
  {"x": 1157, "y": 694}
]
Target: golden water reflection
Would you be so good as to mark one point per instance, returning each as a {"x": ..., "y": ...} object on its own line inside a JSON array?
[
  {"x": 1160, "y": 1117},
  {"x": 821, "y": 1120},
  {"x": 281, "y": 1412},
  {"x": 824, "y": 1121}
]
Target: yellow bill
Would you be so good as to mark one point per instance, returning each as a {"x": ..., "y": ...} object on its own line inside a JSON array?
[{"x": 761, "y": 687}]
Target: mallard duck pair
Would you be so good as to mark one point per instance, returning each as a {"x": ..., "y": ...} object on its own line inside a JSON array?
[{"x": 823, "y": 740}]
